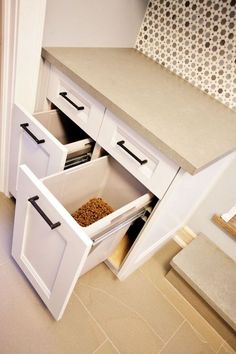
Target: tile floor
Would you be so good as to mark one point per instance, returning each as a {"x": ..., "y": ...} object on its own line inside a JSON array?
[{"x": 143, "y": 314}]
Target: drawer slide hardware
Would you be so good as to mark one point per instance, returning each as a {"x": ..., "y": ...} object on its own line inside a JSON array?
[
  {"x": 38, "y": 141},
  {"x": 77, "y": 161},
  {"x": 52, "y": 225},
  {"x": 121, "y": 143},
  {"x": 64, "y": 95},
  {"x": 109, "y": 233}
]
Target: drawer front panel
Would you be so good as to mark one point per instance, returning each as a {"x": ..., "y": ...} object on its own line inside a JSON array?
[
  {"x": 44, "y": 143},
  {"x": 83, "y": 109},
  {"x": 33, "y": 145},
  {"x": 49, "y": 250},
  {"x": 142, "y": 160}
]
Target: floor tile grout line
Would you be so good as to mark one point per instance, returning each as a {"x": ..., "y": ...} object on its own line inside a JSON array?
[
  {"x": 165, "y": 296},
  {"x": 100, "y": 346},
  {"x": 225, "y": 344},
  {"x": 196, "y": 331},
  {"x": 162, "y": 293},
  {"x": 112, "y": 344},
  {"x": 203, "y": 340},
  {"x": 90, "y": 314},
  {"x": 172, "y": 336},
  {"x": 127, "y": 307},
  {"x": 221, "y": 346},
  {"x": 94, "y": 319},
  {"x": 200, "y": 337}
]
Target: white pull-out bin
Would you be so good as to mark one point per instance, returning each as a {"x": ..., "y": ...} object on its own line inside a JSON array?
[
  {"x": 64, "y": 130},
  {"x": 49, "y": 245},
  {"x": 46, "y": 142}
]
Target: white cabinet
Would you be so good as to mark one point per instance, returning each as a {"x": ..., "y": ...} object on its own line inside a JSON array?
[
  {"x": 49, "y": 245},
  {"x": 146, "y": 190},
  {"x": 45, "y": 142}
]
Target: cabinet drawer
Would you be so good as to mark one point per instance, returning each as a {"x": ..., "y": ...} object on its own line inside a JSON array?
[
  {"x": 51, "y": 248},
  {"x": 47, "y": 142},
  {"x": 141, "y": 159},
  {"x": 82, "y": 108}
]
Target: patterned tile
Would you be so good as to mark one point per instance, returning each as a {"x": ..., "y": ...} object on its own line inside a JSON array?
[{"x": 196, "y": 40}]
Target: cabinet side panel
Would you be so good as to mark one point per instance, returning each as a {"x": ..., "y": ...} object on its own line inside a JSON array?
[{"x": 173, "y": 211}]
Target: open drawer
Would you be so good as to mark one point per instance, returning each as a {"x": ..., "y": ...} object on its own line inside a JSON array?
[
  {"x": 47, "y": 142},
  {"x": 51, "y": 248},
  {"x": 77, "y": 104}
]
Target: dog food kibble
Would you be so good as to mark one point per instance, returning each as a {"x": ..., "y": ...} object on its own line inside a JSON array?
[{"x": 95, "y": 209}]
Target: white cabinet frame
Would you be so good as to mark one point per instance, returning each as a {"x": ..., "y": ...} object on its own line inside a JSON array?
[{"x": 19, "y": 38}]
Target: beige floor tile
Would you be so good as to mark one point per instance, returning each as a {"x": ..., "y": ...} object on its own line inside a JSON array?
[
  {"x": 106, "y": 348},
  {"x": 129, "y": 332},
  {"x": 28, "y": 328},
  {"x": 203, "y": 309},
  {"x": 186, "y": 341},
  {"x": 161, "y": 261},
  {"x": 194, "y": 318},
  {"x": 139, "y": 295},
  {"x": 226, "y": 349},
  {"x": 7, "y": 207}
]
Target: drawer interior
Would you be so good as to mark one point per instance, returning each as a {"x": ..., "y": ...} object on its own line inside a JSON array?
[
  {"x": 120, "y": 253},
  {"x": 61, "y": 127},
  {"x": 79, "y": 145},
  {"x": 104, "y": 178}
]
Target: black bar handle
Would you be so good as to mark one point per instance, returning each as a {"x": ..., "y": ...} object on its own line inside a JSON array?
[
  {"x": 121, "y": 143},
  {"x": 52, "y": 225},
  {"x": 38, "y": 141},
  {"x": 64, "y": 95}
]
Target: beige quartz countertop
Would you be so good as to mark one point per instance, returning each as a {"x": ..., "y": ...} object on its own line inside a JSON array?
[{"x": 184, "y": 123}]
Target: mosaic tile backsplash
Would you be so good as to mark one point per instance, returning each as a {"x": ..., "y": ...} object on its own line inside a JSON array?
[{"x": 196, "y": 40}]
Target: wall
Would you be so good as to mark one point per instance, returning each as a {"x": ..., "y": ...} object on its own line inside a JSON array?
[
  {"x": 196, "y": 40},
  {"x": 219, "y": 199},
  {"x": 9, "y": 11},
  {"x": 91, "y": 23},
  {"x": 29, "y": 42}
]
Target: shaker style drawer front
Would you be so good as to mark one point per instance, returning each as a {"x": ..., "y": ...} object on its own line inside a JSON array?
[
  {"x": 82, "y": 108},
  {"x": 49, "y": 245},
  {"x": 45, "y": 244},
  {"x": 47, "y": 142},
  {"x": 145, "y": 162}
]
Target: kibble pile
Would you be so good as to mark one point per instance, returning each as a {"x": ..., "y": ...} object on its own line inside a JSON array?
[{"x": 95, "y": 209}]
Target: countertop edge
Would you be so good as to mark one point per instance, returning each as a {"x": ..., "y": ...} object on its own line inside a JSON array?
[{"x": 174, "y": 156}]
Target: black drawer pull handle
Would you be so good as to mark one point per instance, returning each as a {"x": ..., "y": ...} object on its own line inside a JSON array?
[
  {"x": 40, "y": 211},
  {"x": 64, "y": 95},
  {"x": 122, "y": 145},
  {"x": 38, "y": 141}
]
